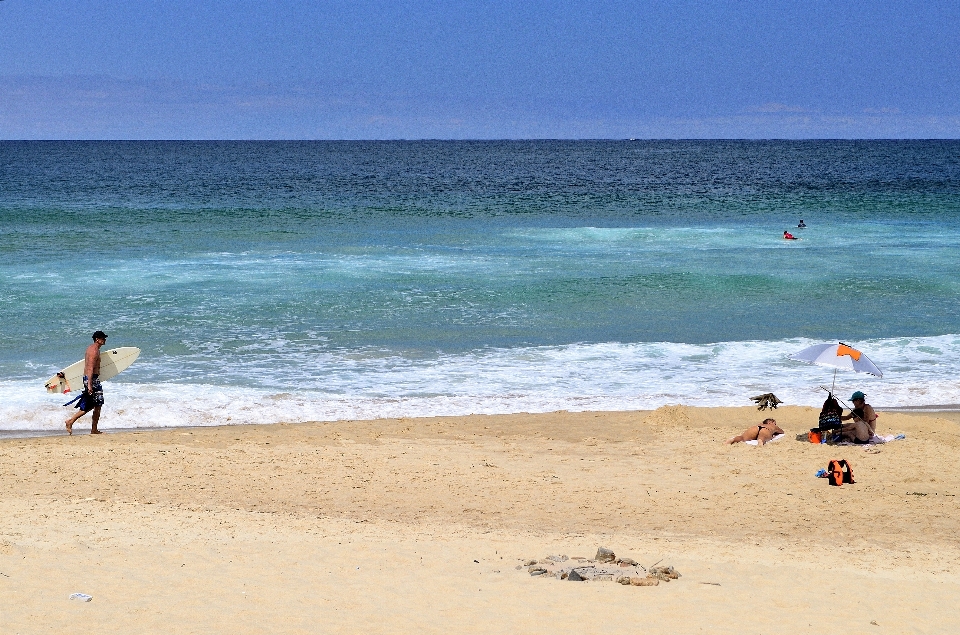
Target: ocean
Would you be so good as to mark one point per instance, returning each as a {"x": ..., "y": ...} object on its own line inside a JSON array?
[{"x": 302, "y": 281}]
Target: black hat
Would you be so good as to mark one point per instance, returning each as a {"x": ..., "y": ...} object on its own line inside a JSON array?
[{"x": 99, "y": 335}]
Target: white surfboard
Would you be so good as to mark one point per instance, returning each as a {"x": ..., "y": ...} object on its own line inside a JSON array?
[{"x": 112, "y": 363}]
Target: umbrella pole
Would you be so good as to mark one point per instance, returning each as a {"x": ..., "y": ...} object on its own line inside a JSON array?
[{"x": 834, "y": 386}]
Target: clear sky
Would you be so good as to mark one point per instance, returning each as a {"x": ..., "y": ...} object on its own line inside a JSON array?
[{"x": 320, "y": 69}]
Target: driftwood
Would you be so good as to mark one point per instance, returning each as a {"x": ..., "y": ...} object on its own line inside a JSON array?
[{"x": 766, "y": 400}]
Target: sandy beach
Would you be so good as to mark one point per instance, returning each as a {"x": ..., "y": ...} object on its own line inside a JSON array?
[{"x": 418, "y": 525}]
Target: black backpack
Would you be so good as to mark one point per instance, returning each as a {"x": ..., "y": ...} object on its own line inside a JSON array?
[{"x": 830, "y": 421}]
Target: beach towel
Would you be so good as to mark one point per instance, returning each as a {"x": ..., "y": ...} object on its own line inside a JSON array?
[
  {"x": 776, "y": 437},
  {"x": 876, "y": 440}
]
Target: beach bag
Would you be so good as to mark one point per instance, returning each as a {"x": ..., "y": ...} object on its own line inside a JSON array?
[
  {"x": 836, "y": 474},
  {"x": 830, "y": 421}
]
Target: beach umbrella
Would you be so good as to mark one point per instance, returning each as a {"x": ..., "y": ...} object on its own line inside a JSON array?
[{"x": 838, "y": 356}]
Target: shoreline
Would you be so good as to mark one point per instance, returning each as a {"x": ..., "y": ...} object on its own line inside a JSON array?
[{"x": 947, "y": 411}]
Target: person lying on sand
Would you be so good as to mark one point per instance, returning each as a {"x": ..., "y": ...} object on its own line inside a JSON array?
[{"x": 761, "y": 433}]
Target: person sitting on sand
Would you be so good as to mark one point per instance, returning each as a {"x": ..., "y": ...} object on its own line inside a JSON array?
[
  {"x": 864, "y": 420},
  {"x": 761, "y": 433}
]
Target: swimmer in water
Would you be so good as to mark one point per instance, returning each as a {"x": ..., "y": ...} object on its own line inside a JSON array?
[
  {"x": 802, "y": 224},
  {"x": 788, "y": 236}
]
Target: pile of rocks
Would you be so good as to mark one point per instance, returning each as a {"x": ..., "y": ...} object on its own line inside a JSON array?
[{"x": 605, "y": 566}]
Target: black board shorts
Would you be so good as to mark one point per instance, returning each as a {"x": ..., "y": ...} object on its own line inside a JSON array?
[{"x": 90, "y": 400}]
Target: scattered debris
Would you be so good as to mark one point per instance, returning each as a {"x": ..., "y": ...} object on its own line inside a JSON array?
[
  {"x": 663, "y": 573},
  {"x": 605, "y": 567},
  {"x": 605, "y": 555},
  {"x": 766, "y": 400},
  {"x": 83, "y": 597},
  {"x": 638, "y": 581}
]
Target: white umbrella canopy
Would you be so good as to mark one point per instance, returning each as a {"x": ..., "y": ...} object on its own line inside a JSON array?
[{"x": 838, "y": 356}]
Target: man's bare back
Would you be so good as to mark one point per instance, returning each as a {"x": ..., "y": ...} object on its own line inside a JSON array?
[{"x": 91, "y": 362}]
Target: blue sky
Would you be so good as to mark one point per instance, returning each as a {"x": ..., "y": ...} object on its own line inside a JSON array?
[{"x": 111, "y": 69}]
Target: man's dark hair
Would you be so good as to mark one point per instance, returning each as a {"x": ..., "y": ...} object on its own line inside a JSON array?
[{"x": 99, "y": 335}]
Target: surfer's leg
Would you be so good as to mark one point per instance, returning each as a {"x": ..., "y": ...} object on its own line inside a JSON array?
[
  {"x": 96, "y": 420},
  {"x": 72, "y": 420}
]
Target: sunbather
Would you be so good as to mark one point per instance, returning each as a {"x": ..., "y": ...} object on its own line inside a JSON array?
[{"x": 761, "y": 433}]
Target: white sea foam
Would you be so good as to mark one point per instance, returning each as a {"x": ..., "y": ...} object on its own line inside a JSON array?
[{"x": 608, "y": 376}]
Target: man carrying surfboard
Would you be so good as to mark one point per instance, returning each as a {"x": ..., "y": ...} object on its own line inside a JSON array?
[{"x": 92, "y": 396}]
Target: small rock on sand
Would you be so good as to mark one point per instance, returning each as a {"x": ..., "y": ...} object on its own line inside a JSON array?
[
  {"x": 664, "y": 573},
  {"x": 605, "y": 555}
]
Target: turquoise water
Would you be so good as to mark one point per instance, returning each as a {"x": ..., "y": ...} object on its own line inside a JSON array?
[{"x": 325, "y": 280}]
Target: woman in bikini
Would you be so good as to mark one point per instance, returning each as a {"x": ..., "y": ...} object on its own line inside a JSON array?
[
  {"x": 761, "y": 433},
  {"x": 864, "y": 424}
]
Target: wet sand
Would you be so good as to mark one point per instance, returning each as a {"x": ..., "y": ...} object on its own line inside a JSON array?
[{"x": 417, "y": 525}]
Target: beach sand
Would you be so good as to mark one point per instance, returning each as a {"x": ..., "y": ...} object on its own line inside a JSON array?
[{"x": 418, "y": 525}]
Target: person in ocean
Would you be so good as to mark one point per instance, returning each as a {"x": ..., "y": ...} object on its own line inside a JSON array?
[
  {"x": 863, "y": 420},
  {"x": 788, "y": 236},
  {"x": 91, "y": 399},
  {"x": 802, "y": 224},
  {"x": 762, "y": 433}
]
